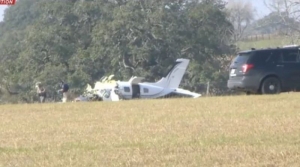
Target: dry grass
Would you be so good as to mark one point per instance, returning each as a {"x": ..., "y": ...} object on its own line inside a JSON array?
[{"x": 217, "y": 131}]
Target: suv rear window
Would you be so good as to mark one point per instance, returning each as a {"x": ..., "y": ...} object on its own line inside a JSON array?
[{"x": 241, "y": 58}]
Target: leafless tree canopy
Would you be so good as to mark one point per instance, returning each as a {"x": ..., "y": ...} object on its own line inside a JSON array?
[
  {"x": 241, "y": 15},
  {"x": 289, "y": 12}
]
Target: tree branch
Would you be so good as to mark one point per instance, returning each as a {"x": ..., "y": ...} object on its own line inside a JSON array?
[
  {"x": 126, "y": 63},
  {"x": 9, "y": 91}
]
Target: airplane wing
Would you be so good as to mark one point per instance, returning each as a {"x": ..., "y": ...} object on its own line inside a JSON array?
[{"x": 186, "y": 92}]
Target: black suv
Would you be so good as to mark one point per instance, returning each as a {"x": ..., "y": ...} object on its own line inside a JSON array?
[{"x": 266, "y": 71}]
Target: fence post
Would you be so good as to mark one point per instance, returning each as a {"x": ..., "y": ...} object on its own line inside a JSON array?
[{"x": 207, "y": 88}]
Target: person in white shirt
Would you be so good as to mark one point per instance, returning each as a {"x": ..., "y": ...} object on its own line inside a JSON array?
[{"x": 41, "y": 91}]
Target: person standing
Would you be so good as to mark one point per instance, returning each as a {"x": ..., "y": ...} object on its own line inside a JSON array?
[
  {"x": 41, "y": 91},
  {"x": 64, "y": 90}
]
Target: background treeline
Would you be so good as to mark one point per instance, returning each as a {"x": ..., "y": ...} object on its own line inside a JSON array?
[{"x": 79, "y": 41}]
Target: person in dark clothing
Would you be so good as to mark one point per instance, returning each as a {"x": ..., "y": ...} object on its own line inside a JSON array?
[{"x": 64, "y": 90}]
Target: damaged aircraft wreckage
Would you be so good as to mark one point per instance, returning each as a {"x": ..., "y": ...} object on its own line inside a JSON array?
[{"x": 111, "y": 90}]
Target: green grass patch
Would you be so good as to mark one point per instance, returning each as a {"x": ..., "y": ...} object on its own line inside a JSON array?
[{"x": 276, "y": 41}]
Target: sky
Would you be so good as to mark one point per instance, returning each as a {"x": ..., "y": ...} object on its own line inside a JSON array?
[
  {"x": 2, "y": 8},
  {"x": 258, "y": 4},
  {"x": 260, "y": 7}
]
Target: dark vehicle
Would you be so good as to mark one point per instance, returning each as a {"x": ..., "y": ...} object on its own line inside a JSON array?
[{"x": 266, "y": 71}]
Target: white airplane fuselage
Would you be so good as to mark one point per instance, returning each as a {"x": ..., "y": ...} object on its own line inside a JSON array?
[{"x": 141, "y": 90}]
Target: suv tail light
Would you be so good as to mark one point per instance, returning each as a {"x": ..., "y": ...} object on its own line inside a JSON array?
[{"x": 247, "y": 67}]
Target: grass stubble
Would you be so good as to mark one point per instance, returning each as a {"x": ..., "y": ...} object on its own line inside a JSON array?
[{"x": 215, "y": 131}]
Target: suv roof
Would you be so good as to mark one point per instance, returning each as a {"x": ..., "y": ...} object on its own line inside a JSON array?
[{"x": 287, "y": 47}]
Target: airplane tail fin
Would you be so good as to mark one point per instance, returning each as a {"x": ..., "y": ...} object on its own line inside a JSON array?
[{"x": 175, "y": 74}]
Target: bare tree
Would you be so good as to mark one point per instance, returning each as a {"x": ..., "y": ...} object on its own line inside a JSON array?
[
  {"x": 289, "y": 13},
  {"x": 241, "y": 14}
]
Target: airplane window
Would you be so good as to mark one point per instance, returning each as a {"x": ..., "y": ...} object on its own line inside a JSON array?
[
  {"x": 146, "y": 90},
  {"x": 126, "y": 89}
]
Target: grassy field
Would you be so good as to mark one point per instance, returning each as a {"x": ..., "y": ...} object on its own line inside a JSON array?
[
  {"x": 215, "y": 131},
  {"x": 274, "y": 41}
]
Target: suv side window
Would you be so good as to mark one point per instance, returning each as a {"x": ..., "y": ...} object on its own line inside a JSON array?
[
  {"x": 262, "y": 56},
  {"x": 290, "y": 56},
  {"x": 275, "y": 56}
]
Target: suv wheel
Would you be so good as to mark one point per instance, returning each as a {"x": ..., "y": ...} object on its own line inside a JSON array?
[{"x": 271, "y": 85}]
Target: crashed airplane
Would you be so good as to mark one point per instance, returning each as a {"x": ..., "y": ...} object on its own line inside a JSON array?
[{"x": 135, "y": 88}]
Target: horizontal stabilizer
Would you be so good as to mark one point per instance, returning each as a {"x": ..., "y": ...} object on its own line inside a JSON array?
[{"x": 186, "y": 92}]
